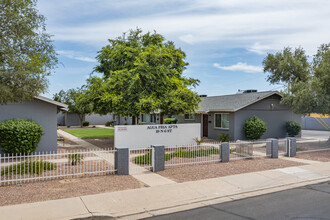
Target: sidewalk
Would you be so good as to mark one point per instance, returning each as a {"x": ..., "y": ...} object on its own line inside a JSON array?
[{"x": 161, "y": 199}]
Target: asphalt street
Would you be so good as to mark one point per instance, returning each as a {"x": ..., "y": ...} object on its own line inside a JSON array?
[{"x": 309, "y": 202}]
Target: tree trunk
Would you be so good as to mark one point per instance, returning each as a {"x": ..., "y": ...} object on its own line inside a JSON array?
[
  {"x": 118, "y": 119},
  {"x": 161, "y": 118},
  {"x": 81, "y": 117},
  {"x": 133, "y": 120}
]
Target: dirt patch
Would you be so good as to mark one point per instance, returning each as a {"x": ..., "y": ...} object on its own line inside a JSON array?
[
  {"x": 65, "y": 188},
  {"x": 323, "y": 156},
  {"x": 212, "y": 170},
  {"x": 313, "y": 146},
  {"x": 104, "y": 143}
]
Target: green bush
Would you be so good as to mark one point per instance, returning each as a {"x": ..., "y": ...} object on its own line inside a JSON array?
[
  {"x": 74, "y": 159},
  {"x": 224, "y": 138},
  {"x": 28, "y": 167},
  {"x": 292, "y": 128},
  {"x": 170, "y": 120},
  {"x": 254, "y": 128},
  {"x": 19, "y": 136},
  {"x": 108, "y": 123},
  {"x": 85, "y": 123}
]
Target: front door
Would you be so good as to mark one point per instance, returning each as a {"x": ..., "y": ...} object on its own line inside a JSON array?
[{"x": 205, "y": 125}]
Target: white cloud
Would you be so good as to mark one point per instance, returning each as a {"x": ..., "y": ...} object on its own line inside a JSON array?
[
  {"x": 75, "y": 55},
  {"x": 240, "y": 67}
]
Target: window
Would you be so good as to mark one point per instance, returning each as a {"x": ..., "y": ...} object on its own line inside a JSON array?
[
  {"x": 221, "y": 121},
  {"x": 143, "y": 118},
  {"x": 189, "y": 116}
]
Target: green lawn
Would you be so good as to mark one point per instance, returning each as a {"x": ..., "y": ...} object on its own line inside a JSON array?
[{"x": 91, "y": 133}]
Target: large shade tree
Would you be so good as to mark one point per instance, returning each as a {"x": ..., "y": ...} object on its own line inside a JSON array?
[
  {"x": 27, "y": 55},
  {"x": 76, "y": 100},
  {"x": 142, "y": 73},
  {"x": 306, "y": 83}
]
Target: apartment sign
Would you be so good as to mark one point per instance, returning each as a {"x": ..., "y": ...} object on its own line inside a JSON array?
[{"x": 134, "y": 136}]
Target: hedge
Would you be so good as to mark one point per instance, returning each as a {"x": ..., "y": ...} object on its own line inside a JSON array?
[
  {"x": 20, "y": 136},
  {"x": 170, "y": 120},
  {"x": 292, "y": 128}
]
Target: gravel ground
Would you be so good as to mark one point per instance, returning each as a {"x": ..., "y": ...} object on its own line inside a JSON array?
[
  {"x": 104, "y": 143},
  {"x": 65, "y": 188},
  {"x": 323, "y": 156},
  {"x": 212, "y": 170}
]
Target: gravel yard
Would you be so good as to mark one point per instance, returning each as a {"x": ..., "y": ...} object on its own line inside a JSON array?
[
  {"x": 104, "y": 143},
  {"x": 212, "y": 170},
  {"x": 65, "y": 188},
  {"x": 323, "y": 156}
]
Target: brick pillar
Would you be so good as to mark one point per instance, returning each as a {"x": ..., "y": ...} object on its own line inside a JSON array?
[
  {"x": 224, "y": 152},
  {"x": 122, "y": 161},
  {"x": 272, "y": 148},
  {"x": 158, "y": 158}
]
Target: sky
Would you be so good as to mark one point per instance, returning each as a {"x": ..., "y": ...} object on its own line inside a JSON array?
[{"x": 225, "y": 41}]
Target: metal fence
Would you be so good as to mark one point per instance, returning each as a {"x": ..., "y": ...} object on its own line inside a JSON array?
[
  {"x": 312, "y": 146},
  {"x": 192, "y": 154},
  {"x": 140, "y": 158},
  {"x": 283, "y": 146},
  {"x": 246, "y": 149},
  {"x": 18, "y": 168}
]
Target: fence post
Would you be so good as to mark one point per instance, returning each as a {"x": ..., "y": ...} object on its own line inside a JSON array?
[
  {"x": 158, "y": 158},
  {"x": 122, "y": 161},
  {"x": 291, "y": 147},
  {"x": 272, "y": 148},
  {"x": 224, "y": 152}
]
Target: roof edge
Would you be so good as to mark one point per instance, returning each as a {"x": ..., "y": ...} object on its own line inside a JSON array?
[
  {"x": 257, "y": 100},
  {"x": 50, "y": 101}
]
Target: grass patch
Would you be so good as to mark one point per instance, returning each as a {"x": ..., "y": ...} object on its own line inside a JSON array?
[
  {"x": 145, "y": 158},
  {"x": 91, "y": 133},
  {"x": 31, "y": 167}
]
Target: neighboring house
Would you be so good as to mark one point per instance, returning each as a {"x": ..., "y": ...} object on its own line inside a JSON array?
[
  {"x": 227, "y": 114},
  {"x": 41, "y": 110}
]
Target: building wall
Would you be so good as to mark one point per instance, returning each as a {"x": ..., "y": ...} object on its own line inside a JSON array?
[
  {"x": 214, "y": 133},
  {"x": 41, "y": 112},
  {"x": 182, "y": 120},
  {"x": 72, "y": 119},
  {"x": 272, "y": 112},
  {"x": 315, "y": 123},
  {"x": 96, "y": 119}
]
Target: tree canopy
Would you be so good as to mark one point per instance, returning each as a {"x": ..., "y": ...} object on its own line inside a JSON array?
[
  {"x": 307, "y": 83},
  {"x": 142, "y": 73},
  {"x": 26, "y": 51},
  {"x": 76, "y": 100}
]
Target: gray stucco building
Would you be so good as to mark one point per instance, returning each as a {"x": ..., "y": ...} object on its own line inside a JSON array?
[
  {"x": 41, "y": 110},
  {"x": 227, "y": 114}
]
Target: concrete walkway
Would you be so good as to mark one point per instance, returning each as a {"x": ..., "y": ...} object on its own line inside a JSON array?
[
  {"x": 143, "y": 175},
  {"x": 161, "y": 199}
]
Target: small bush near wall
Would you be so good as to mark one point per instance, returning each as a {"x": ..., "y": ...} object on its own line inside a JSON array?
[
  {"x": 224, "y": 138},
  {"x": 292, "y": 128},
  {"x": 85, "y": 123},
  {"x": 170, "y": 120},
  {"x": 108, "y": 123},
  {"x": 254, "y": 128},
  {"x": 19, "y": 136}
]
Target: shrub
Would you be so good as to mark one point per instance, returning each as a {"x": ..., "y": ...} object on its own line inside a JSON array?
[
  {"x": 28, "y": 167},
  {"x": 292, "y": 128},
  {"x": 170, "y": 120},
  {"x": 74, "y": 159},
  {"x": 19, "y": 136},
  {"x": 224, "y": 138},
  {"x": 254, "y": 128},
  {"x": 85, "y": 123},
  {"x": 108, "y": 123}
]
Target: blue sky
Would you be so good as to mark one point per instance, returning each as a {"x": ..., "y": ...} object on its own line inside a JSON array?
[{"x": 225, "y": 41}]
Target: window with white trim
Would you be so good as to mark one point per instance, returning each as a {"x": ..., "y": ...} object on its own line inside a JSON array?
[
  {"x": 221, "y": 120},
  {"x": 189, "y": 116}
]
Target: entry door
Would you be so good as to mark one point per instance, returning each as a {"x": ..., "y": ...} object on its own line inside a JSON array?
[{"x": 205, "y": 125}]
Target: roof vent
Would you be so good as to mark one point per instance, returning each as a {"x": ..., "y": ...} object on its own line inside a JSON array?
[{"x": 246, "y": 91}]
